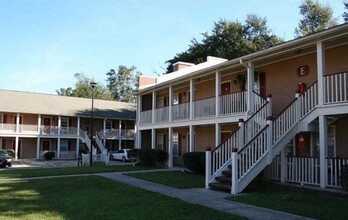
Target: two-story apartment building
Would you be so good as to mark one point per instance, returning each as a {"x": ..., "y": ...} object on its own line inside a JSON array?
[
  {"x": 284, "y": 108},
  {"x": 32, "y": 124}
]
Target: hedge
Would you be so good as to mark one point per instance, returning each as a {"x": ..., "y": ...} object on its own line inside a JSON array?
[
  {"x": 149, "y": 157},
  {"x": 195, "y": 161}
]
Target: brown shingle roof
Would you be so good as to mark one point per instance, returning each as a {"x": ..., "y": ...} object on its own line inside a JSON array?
[{"x": 37, "y": 103}]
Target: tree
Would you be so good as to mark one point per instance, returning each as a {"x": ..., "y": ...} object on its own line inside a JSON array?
[
  {"x": 124, "y": 83},
  {"x": 229, "y": 39},
  {"x": 83, "y": 90},
  {"x": 316, "y": 17},
  {"x": 345, "y": 14}
]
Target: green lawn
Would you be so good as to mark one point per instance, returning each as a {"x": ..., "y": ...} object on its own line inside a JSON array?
[
  {"x": 65, "y": 171},
  {"x": 92, "y": 197},
  {"x": 175, "y": 179},
  {"x": 305, "y": 202}
]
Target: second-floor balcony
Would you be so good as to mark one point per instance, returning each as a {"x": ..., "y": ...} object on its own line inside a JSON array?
[
  {"x": 26, "y": 129},
  {"x": 116, "y": 133}
]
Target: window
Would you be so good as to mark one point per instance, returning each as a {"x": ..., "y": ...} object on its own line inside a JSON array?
[
  {"x": 175, "y": 99},
  {"x": 175, "y": 144},
  {"x": 64, "y": 145},
  {"x": 160, "y": 141},
  {"x": 108, "y": 124},
  {"x": 64, "y": 124}
]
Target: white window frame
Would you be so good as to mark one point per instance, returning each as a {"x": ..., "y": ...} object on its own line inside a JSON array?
[
  {"x": 160, "y": 138},
  {"x": 175, "y": 139},
  {"x": 62, "y": 143},
  {"x": 175, "y": 99}
]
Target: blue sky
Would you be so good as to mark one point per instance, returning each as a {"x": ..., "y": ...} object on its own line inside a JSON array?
[{"x": 43, "y": 42}]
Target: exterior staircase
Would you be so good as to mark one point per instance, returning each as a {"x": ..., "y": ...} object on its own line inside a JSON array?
[{"x": 234, "y": 163}]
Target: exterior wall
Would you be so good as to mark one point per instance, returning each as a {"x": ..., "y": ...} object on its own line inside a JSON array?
[
  {"x": 145, "y": 139},
  {"x": 53, "y": 146},
  {"x": 183, "y": 138},
  {"x": 336, "y": 60},
  {"x": 202, "y": 91},
  {"x": 183, "y": 93},
  {"x": 163, "y": 95},
  {"x": 28, "y": 148},
  {"x": 233, "y": 79},
  {"x": 146, "y": 102},
  {"x": 145, "y": 80},
  {"x": 342, "y": 137},
  {"x": 29, "y": 119},
  {"x": 165, "y": 138},
  {"x": 205, "y": 137}
]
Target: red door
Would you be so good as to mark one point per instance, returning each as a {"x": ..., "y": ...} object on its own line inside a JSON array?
[
  {"x": 262, "y": 80},
  {"x": 45, "y": 145},
  {"x": 225, "y": 88}
]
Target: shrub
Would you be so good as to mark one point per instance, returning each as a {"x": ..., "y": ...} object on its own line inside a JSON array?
[
  {"x": 11, "y": 153},
  {"x": 149, "y": 157},
  {"x": 195, "y": 161},
  {"x": 344, "y": 177},
  {"x": 49, "y": 155}
]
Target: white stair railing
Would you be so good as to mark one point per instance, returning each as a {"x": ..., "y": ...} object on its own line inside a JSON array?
[
  {"x": 335, "y": 88},
  {"x": 100, "y": 144}
]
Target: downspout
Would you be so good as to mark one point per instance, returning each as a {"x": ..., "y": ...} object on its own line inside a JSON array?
[{"x": 250, "y": 79}]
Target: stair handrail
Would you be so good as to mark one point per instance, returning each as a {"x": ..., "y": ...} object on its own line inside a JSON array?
[{"x": 100, "y": 145}]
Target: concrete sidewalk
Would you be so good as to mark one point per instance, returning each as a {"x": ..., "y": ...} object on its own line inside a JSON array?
[{"x": 208, "y": 198}]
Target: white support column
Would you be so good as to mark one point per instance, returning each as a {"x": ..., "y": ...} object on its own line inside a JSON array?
[
  {"x": 135, "y": 141},
  {"x": 250, "y": 86},
  {"x": 39, "y": 124},
  {"x": 320, "y": 70},
  {"x": 269, "y": 139},
  {"x": 217, "y": 93},
  {"x": 59, "y": 124},
  {"x": 153, "y": 106},
  {"x": 119, "y": 144},
  {"x": 120, "y": 128},
  {"x": 104, "y": 128},
  {"x": 77, "y": 147},
  {"x": 191, "y": 98},
  {"x": 192, "y": 138},
  {"x": 78, "y": 126},
  {"x": 323, "y": 149},
  {"x": 241, "y": 134},
  {"x": 138, "y": 139},
  {"x": 207, "y": 167},
  {"x": 16, "y": 147},
  {"x": 283, "y": 166},
  {"x": 153, "y": 139},
  {"x": 234, "y": 172},
  {"x": 17, "y": 123},
  {"x": 170, "y": 102},
  {"x": 217, "y": 134},
  {"x": 58, "y": 148},
  {"x": 38, "y": 148},
  {"x": 170, "y": 147}
]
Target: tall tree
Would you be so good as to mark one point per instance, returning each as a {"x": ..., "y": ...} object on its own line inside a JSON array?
[
  {"x": 345, "y": 14},
  {"x": 316, "y": 17},
  {"x": 82, "y": 89},
  {"x": 229, "y": 39},
  {"x": 124, "y": 83}
]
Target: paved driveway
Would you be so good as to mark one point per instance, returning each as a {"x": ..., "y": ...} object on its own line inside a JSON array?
[{"x": 33, "y": 163}]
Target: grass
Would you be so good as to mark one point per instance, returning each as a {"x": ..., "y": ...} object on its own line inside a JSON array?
[
  {"x": 176, "y": 179},
  {"x": 300, "y": 201},
  {"x": 92, "y": 197},
  {"x": 65, "y": 171}
]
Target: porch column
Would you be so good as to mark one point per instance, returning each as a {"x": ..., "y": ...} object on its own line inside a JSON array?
[
  {"x": 192, "y": 138},
  {"x": 78, "y": 126},
  {"x": 16, "y": 147},
  {"x": 39, "y": 124},
  {"x": 104, "y": 127},
  {"x": 59, "y": 124},
  {"x": 323, "y": 149},
  {"x": 17, "y": 123},
  {"x": 38, "y": 148},
  {"x": 170, "y": 147},
  {"x": 191, "y": 98},
  {"x": 170, "y": 102},
  {"x": 321, "y": 70},
  {"x": 217, "y": 134},
  {"x": 153, "y": 138},
  {"x": 58, "y": 148},
  {"x": 217, "y": 93},
  {"x": 119, "y": 128},
  {"x": 250, "y": 87},
  {"x": 137, "y": 122},
  {"x": 135, "y": 136},
  {"x": 119, "y": 144},
  {"x": 77, "y": 147},
  {"x": 153, "y": 106},
  {"x": 138, "y": 139}
]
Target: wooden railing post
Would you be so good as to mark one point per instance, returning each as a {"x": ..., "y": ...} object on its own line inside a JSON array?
[
  {"x": 270, "y": 139},
  {"x": 234, "y": 171},
  {"x": 241, "y": 133},
  {"x": 207, "y": 167},
  {"x": 298, "y": 104},
  {"x": 269, "y": 105}
]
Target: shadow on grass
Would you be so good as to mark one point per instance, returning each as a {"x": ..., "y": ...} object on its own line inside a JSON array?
[{"x": 92, "y": 197}]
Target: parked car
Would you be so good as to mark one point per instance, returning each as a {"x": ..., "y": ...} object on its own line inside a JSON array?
[
  {"x": 122, "y": 154},
  {"x": 5, "y": 159}
]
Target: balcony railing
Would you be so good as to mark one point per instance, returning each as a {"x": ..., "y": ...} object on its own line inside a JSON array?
[
  {"x": 146, "y": 117},
  {"x": 116, "y": 133},
  {"x": 162, "y": 114},
  {"x": 204, "y": 107},
  {"x": 181, "y": 111},
  {"x": 233, "y": 103}
]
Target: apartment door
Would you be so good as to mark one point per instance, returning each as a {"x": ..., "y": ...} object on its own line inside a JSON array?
[
  {"x": 47, "y": 125},
  {"x": 225, "y": 88},
  {"x": 262, "y": 82},
  {"x": 46, "y": 145}
]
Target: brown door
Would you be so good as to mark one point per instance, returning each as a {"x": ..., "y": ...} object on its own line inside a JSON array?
[
  {"x": 45, "y": 145},
  {"x": 262, "y": 80},
  {"x": 225, "y": 88},
  {"x": 47, "y": 124}
]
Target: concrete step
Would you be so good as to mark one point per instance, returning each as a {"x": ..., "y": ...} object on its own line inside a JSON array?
[
  {"x": 227, "y": 173},
  {"x": 224, "y": 179},
  {"x": 220, "y": 186}
]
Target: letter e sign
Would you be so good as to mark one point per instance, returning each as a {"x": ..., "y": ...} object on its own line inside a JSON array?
[{"x": 303, "y": 71}]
